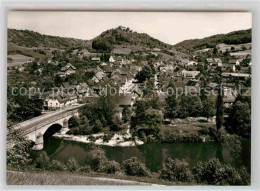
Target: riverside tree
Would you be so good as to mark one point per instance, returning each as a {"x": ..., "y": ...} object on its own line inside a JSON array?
[
  {"x": 239, "y": 120},
  {"x": 219, "y": 104}
]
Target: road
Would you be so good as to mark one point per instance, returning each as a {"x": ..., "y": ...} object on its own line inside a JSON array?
[{"x": 42, "y": 118}]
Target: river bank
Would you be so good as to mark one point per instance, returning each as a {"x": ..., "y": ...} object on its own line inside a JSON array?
[{"x": 121, "y": 140}]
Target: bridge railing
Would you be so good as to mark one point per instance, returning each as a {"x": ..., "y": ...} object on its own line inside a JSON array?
[
  {"x": 52, "y": 112},
  {"x": 35, "y": 128}
]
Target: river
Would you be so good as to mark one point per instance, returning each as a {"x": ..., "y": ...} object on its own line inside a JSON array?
[{"x": 151, "y": 154}]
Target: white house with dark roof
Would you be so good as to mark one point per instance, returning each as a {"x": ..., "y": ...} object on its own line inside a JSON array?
[{"x": 59, "y": 100}]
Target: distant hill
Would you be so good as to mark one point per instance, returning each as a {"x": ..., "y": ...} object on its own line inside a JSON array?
[
  {"x": 236, "y": 37},
  {"x": 120, "y": 38},
  {"x": 122, "y": 35},
  {"x": 28, "y": 38}
]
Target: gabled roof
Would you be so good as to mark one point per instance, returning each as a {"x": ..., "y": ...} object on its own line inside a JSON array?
[
  {"x": 99, "y": 75},
  {"x": 66, "y": 85},
  {"x": 91, "y": 70},
  {"x": 118, "y": 58},
  {"x": 135, "y": 67},
  {"x": 91, "y": 82},
  {"x": 108, "y": 69}
]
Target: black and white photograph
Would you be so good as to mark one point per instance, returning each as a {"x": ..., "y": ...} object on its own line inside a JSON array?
[{"x": 128, "y": 98}]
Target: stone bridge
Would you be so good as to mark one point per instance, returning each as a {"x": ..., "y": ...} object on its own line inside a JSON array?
[{"x": 34, "y": 129}]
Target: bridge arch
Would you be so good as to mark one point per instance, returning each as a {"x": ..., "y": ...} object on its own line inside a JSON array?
[
  {"x": 39, "y": 132},
  {"x": 54, "y": 128}
]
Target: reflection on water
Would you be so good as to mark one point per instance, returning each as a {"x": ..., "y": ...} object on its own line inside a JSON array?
[{"x": 152, "y": 154}]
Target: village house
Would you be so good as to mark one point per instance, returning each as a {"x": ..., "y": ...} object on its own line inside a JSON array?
[
  {"x": 166, "y": 68},
  {"x": 156, "y": 49},
  {"x": 82, "y": 90},
  {"x": 204, "y": 50},
  {"x": 190, "y": 74},
  {"x": 128, "y": 83},
  {"x": 111, "y": 59},
  {"x": 126, "y": 100},
  {"x": 119, "y": 61},
  {"x": 178, "y": 73},
  {"x": 236, "y": 75},
  {"x": 230, "y": 66},
  {"x": 95, "y": 59},
  {"x": 67, "y": 67},
  {"x": 234, "y": 61},
  {"x": 98, "y": 76},
  {"x": 134, "y": 69},
  {"x": 67, "y": 70},
  {"x": 59, "y": 100},
  {"x": 108, "y": 70},
  {"x": 218, "y": 62},
  {"x": 103, "y": 64},
  {"x": 209, "y": 61},
  {"x": 229, "y": 97}
]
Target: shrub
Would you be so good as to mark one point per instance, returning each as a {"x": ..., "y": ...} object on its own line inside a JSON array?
[
  {"x": 233, "y": 142},
  {"x": 239, "y": 120},
  {"x": 112, "y": 167},
  {"x": 173, "y": 136},
  {"x": 214, "y": 173},
  {"x": 133, "y": 167},
  {"x": 151, "y": 139},
  {"x": 57, "y": 165},
  {"x": 19, "y": 156},
  {"x": 245, "y": 176},
  {"x": 42, "y": 161},
  {"x": 85, "y": 169},
  {"x": 72, "y": 164},
  {"x": 107, "y": 137},
  {"x": 97, "y": 159},
  {"x": 81, "y": 130},
  {"x": 73, "y": 122},
  {"x": 97, "y": 126},
  {"x": 176, "y": 170}
]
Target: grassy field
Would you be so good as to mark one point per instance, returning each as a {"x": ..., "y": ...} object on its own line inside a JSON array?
[
  {"x": 222, "y": 47},
  {"x": 63, "y": 178}
]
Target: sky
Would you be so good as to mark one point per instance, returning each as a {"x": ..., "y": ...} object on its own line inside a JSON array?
[{"x": 168, "y": 27}]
